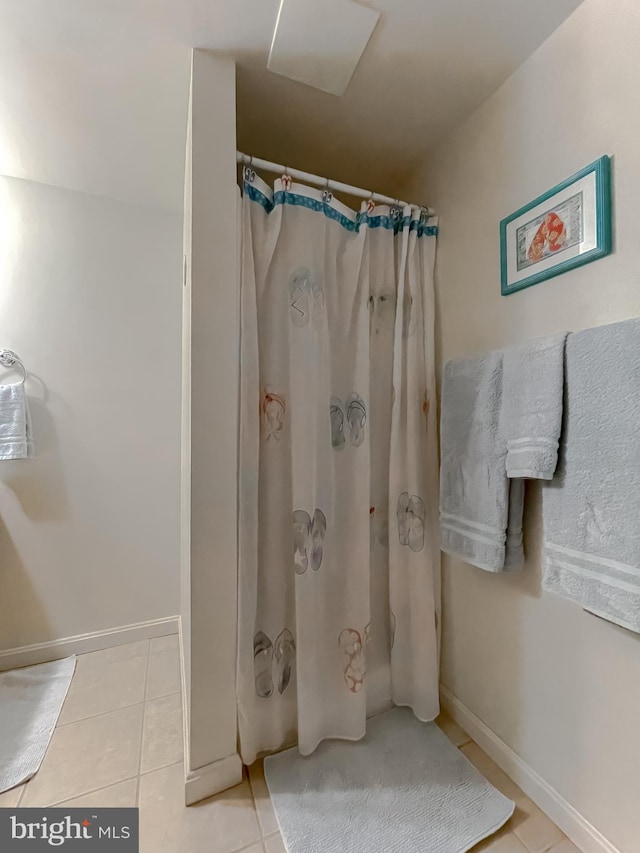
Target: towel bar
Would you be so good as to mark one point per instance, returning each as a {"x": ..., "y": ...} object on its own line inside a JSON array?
[{"x": 8, "y": 358}]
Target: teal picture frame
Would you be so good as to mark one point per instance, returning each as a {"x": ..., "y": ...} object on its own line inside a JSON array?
[{"x": 602, "y": 170}]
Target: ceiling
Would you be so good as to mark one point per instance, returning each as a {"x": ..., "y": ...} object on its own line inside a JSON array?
[{"x": 93, "y": 93}]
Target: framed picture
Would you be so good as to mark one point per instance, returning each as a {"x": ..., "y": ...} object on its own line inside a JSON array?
[{"x": 566, "y": 227}]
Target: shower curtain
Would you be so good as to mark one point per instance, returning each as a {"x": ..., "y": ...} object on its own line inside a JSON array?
[{"x": 338, "y": 550}]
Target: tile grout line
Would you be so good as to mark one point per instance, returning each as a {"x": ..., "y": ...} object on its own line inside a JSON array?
[
  {"x": 88, "y": 668},
  {"x": 253, "y": 798},
  {"x": 101, "y": 714},
  {"x": 249, "y": 846},
  {"x": 84, "y": 656},
  {"x": 144, "y": 694},
  {"x": 257, "y": 814},
  {"x": 469, "y": 739},
  {"x": 113, "y": 710},
  {"x": 255, "y": 807},
  {"x": 266, "y": 838},
  {"x": 108, "y": 663},
  {"x": 546, "y": 849},
  {"x": 164, "y": 767},
  {"x": 128, "y": 779},
  {"x": 165, "y": 651},
  {"x": 86, "y": 793}
]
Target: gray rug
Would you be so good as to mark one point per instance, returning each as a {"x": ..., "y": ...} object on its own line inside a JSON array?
[
  {"x": 404, "y": 788},
  {"x": 30, "y": 703}
]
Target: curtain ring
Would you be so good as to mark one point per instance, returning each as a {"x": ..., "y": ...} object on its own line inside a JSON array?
[
  {"x": 370, "y": 204},
  {"x": 249, "y": 174},
  {"x": 327, "y": 195}
]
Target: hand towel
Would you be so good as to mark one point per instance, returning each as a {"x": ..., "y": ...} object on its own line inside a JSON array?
[
  {"x": 592, "y": 506},
  {"x": 480, "y": 509},
  {"x": 16, "y": 436},
  {"x": 533, "y": 384}
]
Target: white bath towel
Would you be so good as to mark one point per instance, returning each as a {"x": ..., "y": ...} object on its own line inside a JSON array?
[
  {"x": 16, "y": 435},
  {"x": 480, "y": 508},
  {"x": 592, "y": 506},
  {"x": 533, "y": 385}
]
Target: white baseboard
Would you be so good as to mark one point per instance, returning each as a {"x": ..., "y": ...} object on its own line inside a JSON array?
[
  {"x": 56, "y": 649},
  {"x": 186, "y": 699},
  {"x": 562, "y": 813},
  {"x": 212, "y": 778}
]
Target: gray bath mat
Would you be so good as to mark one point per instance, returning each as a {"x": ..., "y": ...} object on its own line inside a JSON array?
[
  {"x": 403, "y": 788},
  {"x": 30, "y": 703}
]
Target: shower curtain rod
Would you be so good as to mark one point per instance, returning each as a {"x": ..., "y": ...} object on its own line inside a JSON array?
[{"x": 325, "y": 183}]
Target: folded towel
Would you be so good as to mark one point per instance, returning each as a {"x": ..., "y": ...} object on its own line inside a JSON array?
[
  {"x": 533, "y": 384},
  {"x": 592, "y": 506},
  {"x": 480, "y": 509},
  {"x": 16, "y": 436}
]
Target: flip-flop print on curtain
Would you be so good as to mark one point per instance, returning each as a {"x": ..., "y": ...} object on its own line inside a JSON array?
[
  {"x": 308, "y": 540},
  {"x": 352, "y": 416},
  {"x": 273, "y": 662},
  {"x": 411, "y": 521}
]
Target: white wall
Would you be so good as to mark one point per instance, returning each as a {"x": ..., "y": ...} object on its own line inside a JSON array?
[
  {"x": 559, "y": 686},
  {"x": 210, "y": 424},
  {"x": 90, "y": 299}
]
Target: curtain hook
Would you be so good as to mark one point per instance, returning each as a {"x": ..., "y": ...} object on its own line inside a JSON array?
[
  {"x": 327, "y": 195},
  {"x": 249, "y": 174},
  {"x": 370, "y": 203}
]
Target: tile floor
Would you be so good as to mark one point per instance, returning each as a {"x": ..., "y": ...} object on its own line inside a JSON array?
[{"x": 119, "y": 743}]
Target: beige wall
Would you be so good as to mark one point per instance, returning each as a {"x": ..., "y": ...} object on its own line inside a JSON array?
[
  {"x": 561, "y": 687},
  {"x": 90, "y": 299},
  {"x": 185, "y": 445},
  {"x": 210, "y": 423}
]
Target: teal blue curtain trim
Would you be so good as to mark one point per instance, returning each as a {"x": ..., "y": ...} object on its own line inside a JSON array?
[{"x": 395, "y": 225}]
